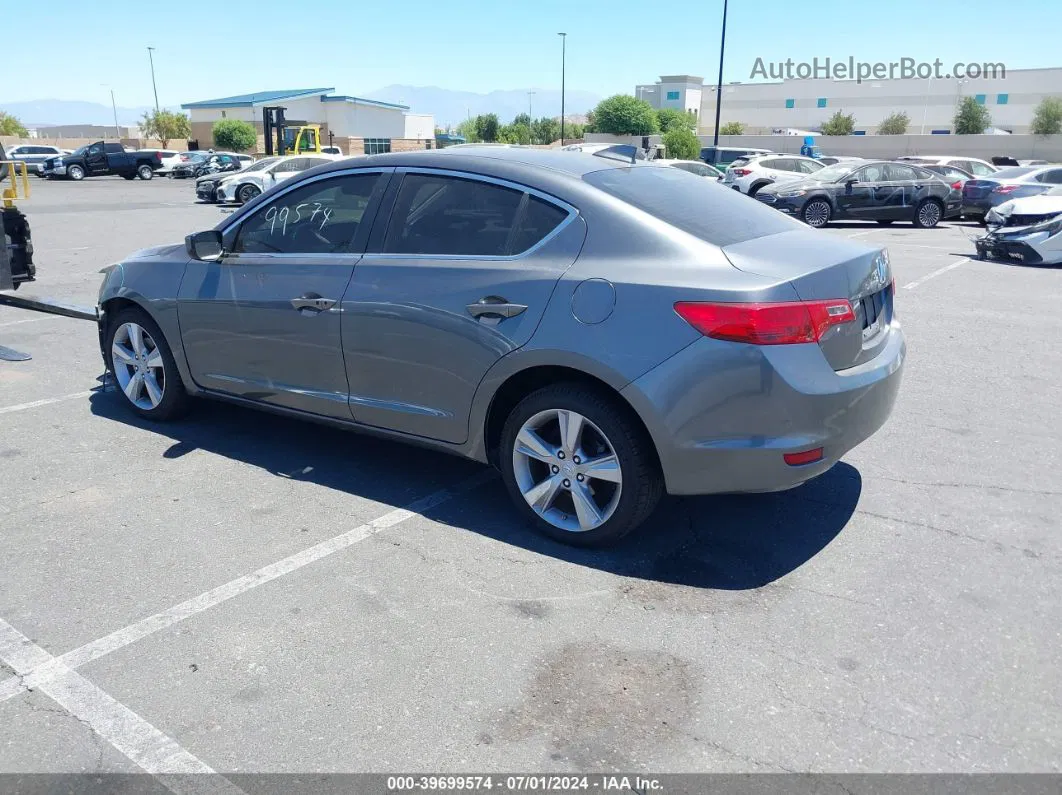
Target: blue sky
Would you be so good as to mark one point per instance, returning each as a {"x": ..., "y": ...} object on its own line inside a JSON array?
[{"x": 482, "y": 45}]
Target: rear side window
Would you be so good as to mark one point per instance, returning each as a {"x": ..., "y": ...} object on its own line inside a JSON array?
[
  {"x": 701, "y": 207},
  {"x": 449, "y": 216}
]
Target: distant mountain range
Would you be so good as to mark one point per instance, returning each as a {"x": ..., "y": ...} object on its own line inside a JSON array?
[
  {"x": 58, "y": 112},
  {"x": 449, "y": 107}
]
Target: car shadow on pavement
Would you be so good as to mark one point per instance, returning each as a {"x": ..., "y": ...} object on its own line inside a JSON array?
[{"x": 726, "y": 542}]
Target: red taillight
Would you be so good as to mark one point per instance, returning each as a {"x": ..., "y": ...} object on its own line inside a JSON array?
[
  {"x": 1005, "y": 189},
  {"x": 782, "y": 323},
  {"x": 742, "y": 172},
  {"x": 803, "y": 457},
  {"x": 956, "y": 185}
]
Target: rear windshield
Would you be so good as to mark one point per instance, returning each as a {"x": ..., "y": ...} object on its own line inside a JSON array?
[
  {"x": 1012, "y": 173},
  {"x": 698, "y": 206}
]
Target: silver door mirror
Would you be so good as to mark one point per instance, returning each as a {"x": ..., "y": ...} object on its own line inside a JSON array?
[{"x": 205, "y": 246}]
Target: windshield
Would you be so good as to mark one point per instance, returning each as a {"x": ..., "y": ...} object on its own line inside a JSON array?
[
  {"x": 1013, "y": 172},
  {"x": 834, "y": 172},
  {"x": 258, "y": 165},
  {"x": 80, "y": 150}
]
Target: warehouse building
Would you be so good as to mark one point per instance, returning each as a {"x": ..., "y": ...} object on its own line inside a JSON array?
[
  {"x": 354, "y": 124},
  {"x": 1011, "y": 99}
]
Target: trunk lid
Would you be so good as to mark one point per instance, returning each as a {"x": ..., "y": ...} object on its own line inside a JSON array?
[
  {"x": 823, "y": 267},
  {"x": 977, "y": 189}
]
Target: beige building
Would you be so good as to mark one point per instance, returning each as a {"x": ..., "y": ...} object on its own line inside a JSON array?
[
  {"x": 357, "y": 125},
  {"x": 805, "y": 104}
]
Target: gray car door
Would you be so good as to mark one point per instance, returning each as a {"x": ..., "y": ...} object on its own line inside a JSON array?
[
  {"x": 263, "y": 322},
  {"x": 459, "y": 277}
]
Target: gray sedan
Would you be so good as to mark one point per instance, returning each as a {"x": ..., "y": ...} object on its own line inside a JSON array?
[{"x": 600, "y": 331}]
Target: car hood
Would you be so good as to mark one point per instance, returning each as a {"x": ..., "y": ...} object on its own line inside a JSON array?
[
  {"x": 1031, "y": 205},
  {"x": 154, "y": 252}
]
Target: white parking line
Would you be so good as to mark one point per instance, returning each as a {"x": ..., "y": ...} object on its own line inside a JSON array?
[
  {"x": 46, "y": 670},
  {"x": 28, "y": 320},
  {"x": 936, "y": 273},
  {"x": 152, "y": 751},
  {"x": 45, "y": 402}
]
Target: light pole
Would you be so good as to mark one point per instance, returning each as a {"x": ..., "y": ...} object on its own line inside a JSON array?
[
  {"x": 925, "y": 106},
  {"x": 719, "y": 84},
  {"x": 530, "y": 95},
  {"x": 151, "y": 60},
  {"x": 564, "y": 44},
  {"x": 114, "y": 109}
]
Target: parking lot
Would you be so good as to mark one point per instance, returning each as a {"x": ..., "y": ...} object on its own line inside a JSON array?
[{"x": 245, "y": 593}]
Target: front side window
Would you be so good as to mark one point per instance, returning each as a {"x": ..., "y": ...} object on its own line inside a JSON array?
[
  {"x": 321, "y": 217},
  {"x": 451, "y": 216},
  {"x": 287, "y": 166},
  {"x": 95, "y": 150}
]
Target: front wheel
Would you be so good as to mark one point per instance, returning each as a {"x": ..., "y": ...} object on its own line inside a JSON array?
[
  {"x": 928, "y": 214},
  {"x": 143, "y": 365},
  {"x": 578, "y": 466},
  {"x": 817, "y": 213},
  {"x": 76, "y": 173},
  {"x": 246, "y": 193},
  {"x": 145, "y": 172}
]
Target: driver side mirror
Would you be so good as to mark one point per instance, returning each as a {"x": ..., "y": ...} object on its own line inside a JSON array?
[{"x": 205, "y": 246}]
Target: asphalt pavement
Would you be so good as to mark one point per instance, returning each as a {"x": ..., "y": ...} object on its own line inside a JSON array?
[{"x": 243, "y": 593}]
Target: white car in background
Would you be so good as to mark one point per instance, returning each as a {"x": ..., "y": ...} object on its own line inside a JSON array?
[
  {"x": 34, "y": 155},
  {"x": 244, "y": 185},
  {"x": 971, "y": 165},
  {"x": 749, "y": 174},
  {"x": 1028, "y": 230}
]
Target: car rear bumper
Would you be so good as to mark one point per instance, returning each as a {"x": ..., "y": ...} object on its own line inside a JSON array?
[{"x": 722, "y": 415}]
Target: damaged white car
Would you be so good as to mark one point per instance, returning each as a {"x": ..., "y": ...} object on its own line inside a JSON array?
[{"x": 1026, "y": 230}]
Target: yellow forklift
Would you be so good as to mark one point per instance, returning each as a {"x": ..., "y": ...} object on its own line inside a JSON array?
[
  {"x": 289, "y": 140},
  {"x": 16, "y": 256}
]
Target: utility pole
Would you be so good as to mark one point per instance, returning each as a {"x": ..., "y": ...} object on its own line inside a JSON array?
[
  {"x": 151, "y": 59},
  {"x": 114, "y": 108},
  {"x": 719, "y": 83},
  {"x": 564, "y": 44},
  {"x": 530, "y": 94}
]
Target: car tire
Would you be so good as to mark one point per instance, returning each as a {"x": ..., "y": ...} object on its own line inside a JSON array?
[
  {"x": 928, "y": 213},
  {"x": 247, "y": 193},
  {"x": 168, "y": 399},
  {"x": 816, "y": 213},
  {"x": 885, "y": 222},
  {"x": 144, "y": 172},
  {"x": 592, "y": 510},
  {"x": 76, "y": 173}
]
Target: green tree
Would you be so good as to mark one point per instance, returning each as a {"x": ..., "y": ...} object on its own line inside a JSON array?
[
  {"x": 10, "y": 125},
  {"x": 839, "y": 123},
  {"x": 546, "y": 130},
  {"x": 589, "y": 126},
  {"x": 467, "y": 130},
  {"x": 487, "y": 127},
  {"x": 1047, "y": 120},
  {"x": 971, "y": 118},
  {"x": 682, "y": 144},
  {"x": 732, "y": 128},
  {"x": 666, "y": 118},
  {"x": 522, "y": 118},
  {"x": 514, "y": 134},
  {"x": 573, "y": 131},
  {"x": 625, "y": 115},
  {"x": 235, "y": 135},
  {"x": 165, "y": 126},
  {"x": 894, "y": 124}
]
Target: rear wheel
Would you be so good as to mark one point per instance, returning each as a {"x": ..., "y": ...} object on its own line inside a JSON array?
[
  {"x": 76, "y": 173},
  {"x": 246, "y": 193},
  {"x": 928, "y": 214},
  {"x": 578, "y": 466},
  {"x": 817, "y": 213},
  {"x": 143, "y": 365},
  {"x": 145, "y": 172}
]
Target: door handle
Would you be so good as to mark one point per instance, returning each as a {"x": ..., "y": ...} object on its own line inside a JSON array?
[
  {"x": 492, "y": 306},
  {"x": 313, "y": 303}
]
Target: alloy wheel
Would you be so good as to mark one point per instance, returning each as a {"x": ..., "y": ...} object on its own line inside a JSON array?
[
  {"x": 929, "y": 214},
  {"x": 817, "y": 213},
  {"x": 138, "y": 366},
  {"x": 567, "y": 470}
]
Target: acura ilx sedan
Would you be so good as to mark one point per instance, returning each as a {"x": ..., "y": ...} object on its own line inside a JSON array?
[{"x": 598, "y": 328}]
